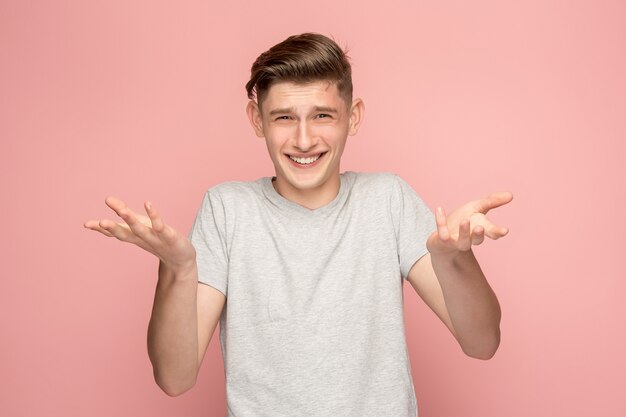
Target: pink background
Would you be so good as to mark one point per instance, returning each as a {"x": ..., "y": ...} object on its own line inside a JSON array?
[{"x": 145, "y": 100}]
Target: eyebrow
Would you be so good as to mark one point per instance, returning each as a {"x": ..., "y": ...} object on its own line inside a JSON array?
[{"x": 291, "y": 110}]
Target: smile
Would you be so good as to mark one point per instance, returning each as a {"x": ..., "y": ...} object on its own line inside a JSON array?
[{"x": 306, "y": 161}]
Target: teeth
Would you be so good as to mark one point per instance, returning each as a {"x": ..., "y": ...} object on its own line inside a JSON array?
[{"x": 305, "y": 161}]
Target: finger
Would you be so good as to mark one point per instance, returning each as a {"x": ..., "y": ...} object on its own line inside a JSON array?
[
  {"x": 478, "y": 235},
  {"x": 129, "y": 217},
  {"x": 495, "y": 232},
  {"x": 94, "y": 225},
  {"x": 494, "y": 200},
  {"x": 158, "y": 225},
  {"x": 442, "y": 225},
  {"x": 121, "y": 231},
  {"x": 137, "y": 227},
  {"x": 117, "y": 230},
  {"x": 464, "y": 242},
  {"x": 114, "y": 203},
  {"x": 90, "y": 224},
  {"x": 155, "y": 218}
]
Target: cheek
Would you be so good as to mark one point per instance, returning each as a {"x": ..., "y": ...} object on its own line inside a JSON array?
[
  {"x": 278, "y": 136},
  {"x": 274, "y": 145},
  {"x": 337, "y": 134},
  {"x": 330, "y": 132}
]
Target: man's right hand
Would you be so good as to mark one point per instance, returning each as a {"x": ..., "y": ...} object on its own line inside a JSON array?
[{"x": 149, "y": 233}]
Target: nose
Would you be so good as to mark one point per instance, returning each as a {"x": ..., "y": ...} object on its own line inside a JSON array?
[{"x": 304, "y": 138}]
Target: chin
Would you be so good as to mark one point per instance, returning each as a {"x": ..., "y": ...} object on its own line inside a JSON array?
[{"x": 305, "y": 184}]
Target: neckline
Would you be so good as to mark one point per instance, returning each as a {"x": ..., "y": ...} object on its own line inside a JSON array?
[{"x": 287, "y": 205}]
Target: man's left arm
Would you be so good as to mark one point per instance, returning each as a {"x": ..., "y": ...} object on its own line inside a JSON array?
[{"x": 451, "y": 282}]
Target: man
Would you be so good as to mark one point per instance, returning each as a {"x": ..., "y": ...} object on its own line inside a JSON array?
[{"x": 311, "y": 261}]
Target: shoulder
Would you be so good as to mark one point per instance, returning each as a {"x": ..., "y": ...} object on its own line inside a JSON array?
[
  {"x": 386, "y": 187},
  {"x": 370, "y": 179},
  {"x": 376, "y": 182},
  {"x": 228, "y": 198},
  {"x": 234, "y": 192}
]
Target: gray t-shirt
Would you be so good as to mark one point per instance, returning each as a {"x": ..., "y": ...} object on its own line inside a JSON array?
[{"x": 313, "y": 323}]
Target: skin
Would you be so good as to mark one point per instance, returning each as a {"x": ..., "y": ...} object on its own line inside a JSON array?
[
  {"x": 449, "y": 278},
  {"x": 315, "y": 120},
  {"x": 306, "y": 120},
  {"x": 185, "y": 312}
]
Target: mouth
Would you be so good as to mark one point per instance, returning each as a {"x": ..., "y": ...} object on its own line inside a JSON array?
[{"x": 306, "y": 161}]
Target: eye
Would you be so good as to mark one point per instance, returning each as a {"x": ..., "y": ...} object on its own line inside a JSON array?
[
  {"x": 282, "y": 118},
  {"x": 323, "y": 116}
]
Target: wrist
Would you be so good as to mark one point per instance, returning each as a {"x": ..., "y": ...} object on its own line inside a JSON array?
[
  {"x": 454, "y": 257},
  {"x": 178, "y": 271}
]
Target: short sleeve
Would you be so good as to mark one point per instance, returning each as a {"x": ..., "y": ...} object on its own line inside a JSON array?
[
  {"x": 208, "y": 237},
  {"x": 414, "y": 223}
]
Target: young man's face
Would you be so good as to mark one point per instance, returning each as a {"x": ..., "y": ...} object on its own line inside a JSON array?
[{"x": 305, "y": 128}]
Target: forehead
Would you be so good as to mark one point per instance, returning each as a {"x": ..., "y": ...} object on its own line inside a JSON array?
[{"x": 301, "y": 95}]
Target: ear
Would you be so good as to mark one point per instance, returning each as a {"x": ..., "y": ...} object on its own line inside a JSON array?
[
  {"x": 357, "y": 111},
  {"x": 254, "y": 115}
]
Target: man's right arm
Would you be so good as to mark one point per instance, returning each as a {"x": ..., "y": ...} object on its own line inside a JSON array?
[
  {"x": 184, "y": 317},
  {"x": 185, "y": 312}
]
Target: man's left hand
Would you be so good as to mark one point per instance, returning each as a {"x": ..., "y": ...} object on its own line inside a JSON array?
[{"x": 467, "y": 225}]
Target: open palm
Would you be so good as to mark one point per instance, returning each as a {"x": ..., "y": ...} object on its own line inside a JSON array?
[
  {"x": 148, "y": 232},
  {"x": 467, "y": 225}
]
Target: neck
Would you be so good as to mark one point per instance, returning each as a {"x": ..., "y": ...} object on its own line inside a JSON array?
[{"x": 311, "y": 198}]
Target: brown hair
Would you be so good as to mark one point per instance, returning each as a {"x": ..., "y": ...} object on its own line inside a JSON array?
[{"x": 301, "y": 59}]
